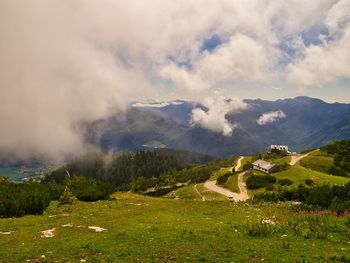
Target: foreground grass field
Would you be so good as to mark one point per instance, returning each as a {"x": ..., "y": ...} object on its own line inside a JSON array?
[{"x": 143, "y": 229}]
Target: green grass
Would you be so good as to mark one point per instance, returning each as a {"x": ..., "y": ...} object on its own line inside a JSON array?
[
  {"x": 246, "y": 159},
  {"x": 317, "y": 163},
  {"x": 232, "y": 183},
  {"x": 282, "y": 160},
  {"x": 144, "y": 229},
  {"x": 218, "y": 173},
  {"x": 298, "y": 175},
  {"x": 189, "y": 192}
]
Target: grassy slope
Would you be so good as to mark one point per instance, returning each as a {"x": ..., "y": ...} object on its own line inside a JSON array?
[
  {"x": 161, "y": 230},
  {"x": 189, "y": 192},
  {"x": 298, "y": 175},
  {"x": 232, "y": 183},
  {"x": 285, "y": 159},
  {"x": 317, "y": 161},
  {"x": 310, "y": 167}
]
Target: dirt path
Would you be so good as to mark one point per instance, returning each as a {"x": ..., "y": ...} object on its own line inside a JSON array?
[
  {"x": 201, "y": 196},
  {"x": 294, "y": 159},
  {"x": 242, "y": 196},
  {"x": 239, "y": 163}
]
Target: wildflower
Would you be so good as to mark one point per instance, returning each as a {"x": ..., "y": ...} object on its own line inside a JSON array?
[{"x": 268, "y": 222}]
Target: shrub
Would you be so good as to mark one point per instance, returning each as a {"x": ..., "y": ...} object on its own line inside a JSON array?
[
  {"x": 270, "y": 187},
  {"x": 258, "y": 181},
  {"x": 309, "y": 181},
  {"x": 67, "y": 198},
  {"x": 281, "y": 167},
  {"x": 89, "y": 190},
  {"x": 24, "y": 199},
  {"x": 258, "y": 229},
  {"x": 247, "y": 166},
  {"x": 336, "y": 198},
  {"x": 315, "y": 226},
  {"x": 284, "y": 182},
  {"x": 347, "y": 221},
  {"x": 223, "y": 178},
  {"x": 341, "y": 259}
]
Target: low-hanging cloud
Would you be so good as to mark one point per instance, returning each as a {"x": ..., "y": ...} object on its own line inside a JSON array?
[
  {"x": 270, "y": 117},
  {"x": 55, "y": 78},
  {"x": 215, "y": 117}
]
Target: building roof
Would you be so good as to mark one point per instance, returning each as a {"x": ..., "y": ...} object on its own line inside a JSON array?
[
  {"x": 274, "y": 146},
  {"x": 263, "y": 164}
]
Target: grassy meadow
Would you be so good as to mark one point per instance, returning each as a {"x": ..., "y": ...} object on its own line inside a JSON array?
[
  {"x": 144, "y": 229},
  {"x": 190, "y": 224},
  {"x": 299, "y": 174}
]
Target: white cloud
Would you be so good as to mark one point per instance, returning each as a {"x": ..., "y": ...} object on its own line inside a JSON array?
[
  {"x": 215, "y": 117},
  {"x": 64, "y": 63},
  {"x": 330, "y": 61},
  {"x": 270, "y": 117}
]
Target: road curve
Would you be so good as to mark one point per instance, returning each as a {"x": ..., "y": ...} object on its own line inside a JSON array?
[
  {"x": 242, "y": 196},
  {"x": 294, "y": 159}
]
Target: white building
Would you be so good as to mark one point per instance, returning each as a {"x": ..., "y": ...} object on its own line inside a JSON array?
[
  {"x": 264, "y": 166},
  {"x": 280, "y": 148}
]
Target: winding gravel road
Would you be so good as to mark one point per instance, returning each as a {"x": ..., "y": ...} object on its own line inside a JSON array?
[{"x": 242, "y": 196}]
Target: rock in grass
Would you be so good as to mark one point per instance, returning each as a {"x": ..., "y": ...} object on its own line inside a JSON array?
[
  {"x": 97, "y": 228},
  {"x": 48, "y": 233}
]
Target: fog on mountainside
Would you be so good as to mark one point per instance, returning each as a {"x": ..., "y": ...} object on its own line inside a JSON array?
[{"x": 307, "y": 123}]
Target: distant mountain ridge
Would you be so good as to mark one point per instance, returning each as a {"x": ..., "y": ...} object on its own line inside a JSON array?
[{"x": 309, "y": 123}]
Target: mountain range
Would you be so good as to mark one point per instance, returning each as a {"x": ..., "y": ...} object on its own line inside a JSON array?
[{"x": 307, "y": 123}]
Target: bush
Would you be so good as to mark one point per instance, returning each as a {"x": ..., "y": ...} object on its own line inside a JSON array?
[
  {"x": 281, "y": 167},
  {"x": 284, "y": 182},
  {"x": 67, "y": 198},
  {"x": 259, "y": 181},
  {"x": 247, "y": 166},
  {"x": 270, "y": 187},
  {"x": 309, "y": 182},
  {"x": 258, "y": 229},
  {"x": 336, "y": 198},
  {"x": 24, "y": 199},
  {"x": 223, "y": 178},
  {"x": 314, "y": 226},
  {"x": 89, "y": 190}
]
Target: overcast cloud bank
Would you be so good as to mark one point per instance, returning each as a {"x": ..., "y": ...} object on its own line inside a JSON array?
[{"x": 65, "y": 63}]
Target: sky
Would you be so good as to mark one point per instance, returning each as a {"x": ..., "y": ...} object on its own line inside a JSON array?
[{"x": 66, "y": 62}]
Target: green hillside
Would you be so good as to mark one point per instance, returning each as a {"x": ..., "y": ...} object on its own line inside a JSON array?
[
  {"x": 295, "y": 214},
  {"x": 299, "y": 174},
  {"x": 144, "y": 229},
  {"x": 318, "y": 161}
]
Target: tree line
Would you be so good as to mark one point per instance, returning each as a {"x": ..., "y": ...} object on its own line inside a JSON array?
[
  {"x": 340, "y": 149},
  {"x": 33, "y": 198},
  {"x": 95, "y": 176},
  {"x": 335, "y": 198}
]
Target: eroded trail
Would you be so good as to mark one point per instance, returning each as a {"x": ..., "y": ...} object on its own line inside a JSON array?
[
  {"x": 242, "y": 196},
  {"x": 294, "y": 159}
]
